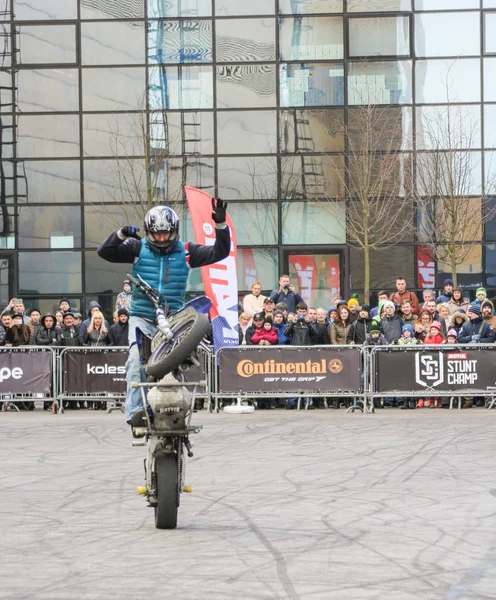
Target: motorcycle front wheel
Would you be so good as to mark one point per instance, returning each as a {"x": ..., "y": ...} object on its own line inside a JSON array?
[
  {"x": 167, "y": 487},
  {"x": 189, "y": 328}
]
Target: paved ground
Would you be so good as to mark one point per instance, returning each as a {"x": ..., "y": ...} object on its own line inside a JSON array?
[{"x": 313, "y": 505}]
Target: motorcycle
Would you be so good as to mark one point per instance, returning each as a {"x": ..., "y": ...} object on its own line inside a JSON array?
[{"x": 164, "y": 424}]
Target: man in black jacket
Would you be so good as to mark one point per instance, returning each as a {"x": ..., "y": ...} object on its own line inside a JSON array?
[
  {"x": 298, "y": 327},
  {"x": 119, "y": 332},
  {"x": 361, "y": 327},
  {"x": 476, "y": 331}
]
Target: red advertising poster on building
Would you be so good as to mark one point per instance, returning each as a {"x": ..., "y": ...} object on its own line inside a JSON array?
[
  {"x": 306, "y": 270},
  {"x": 249, "y": 272},
  {"x": 334, "y": 275},
  {"x": 426, "y": 267}
]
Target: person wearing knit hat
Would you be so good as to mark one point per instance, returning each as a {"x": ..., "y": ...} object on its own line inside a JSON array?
[
  {"x": 476, "y": 331},
  {"x": 353, "y": 302},
  {"x": 480, "y": 296},
  {"x": 447, "y": 292},
  {"x": 375, "y": 336},
  {"x": 360, "y": 327},
  {"x": 119, "y": 332},
  {"x": 392, "y": 324},
  {"x": 434, "y": 336},
  {"x": 408, "y": 337},
  {"x": 451, "y": 337}
]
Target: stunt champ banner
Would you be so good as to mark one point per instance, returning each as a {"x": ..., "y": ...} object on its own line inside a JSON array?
[{"x": 220, "y": 280}]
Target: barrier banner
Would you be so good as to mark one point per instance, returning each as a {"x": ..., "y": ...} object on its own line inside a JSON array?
[
  {"x": 25, "y": 372},
  {"x": 460, "y": 371},
  {"x": 287, "y": 369},
  {"x": 95, "y": 372}
]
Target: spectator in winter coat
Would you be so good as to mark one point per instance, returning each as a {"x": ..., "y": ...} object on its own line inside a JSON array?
[
  {"x": 119, "y": 332},
  {"x": 93, "y": 307},
  {"x": 458, "y": 302},
  {"x": 451, "y": 338},
  {"x": 6, "y": 319},
  {"x": 319, "y": 332},
  {"x": 375, "y": 337},
  {"x": 480, "y": 296},
  {"x": 431, "y": 306},
  {"x": 258, "y": 319},
  {"x": 487, "y": 311},
  {"x": 253, "y": 303},
  {"x": 280, "y": 325},
  {"x": 2, "y": 336},
  {"x": 65, "y": 305},
  {"x": 16, "y": 305},
  {"x": 447, "y": 292},
  {"x": 124, "y": 298},
  {"x": 268, "y": 307},
  {"x": 34, "y": 323},
  {"x": 298, "y": 327},
  {"x": 457, "y": 321},
  {"x": 48, "y": 334},
  {"x": 408, "y": 338},
  {"x": 423, "y": 324},
  {"x": 391, "y": 323},
  {"x": 382, "y": 295},
  {"x": 338, "y": 331},
  {"x": 409, "y": 318},
  {"x": 96, "y": 333},
  {"x": 59, "y": 319},
  {"x": 403, "y": 294},
  {"x": 286, "y": 293},
  {"x": 434, "y": 336},
  {"x": 70, "y": 334},
  {"x": 476, "y": 331},
  {"x": 266, "y": 335},
  {"x": 444, "y": 313},
  {"x": 332, "y": 313},
  {"x": 361, "y": 327},
  {"x": 242, "y": 327}
]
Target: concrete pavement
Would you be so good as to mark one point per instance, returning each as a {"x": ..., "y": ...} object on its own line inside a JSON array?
[{"x": 317, "y": 505}]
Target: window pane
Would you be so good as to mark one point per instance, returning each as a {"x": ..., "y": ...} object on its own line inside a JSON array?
[
  {"x": 446, "y": 128},
  {"x": 196, "y": 172},
  {"x": 191, "y": 132},
  {"x": 45, "y": 10},
  {"x": 489, "y": 3},
  {"x": 391, "y": 129},
  {"x": 7, "y": 96},
  {"x": 490, "y": 32},
  {"x": 113, "y": 135},
  {"x": 49, "y": 227},
  {"x": 258, "y": 264},
  {"x": 114, "y": 89},
  {"x": 443, "y": 5},
  {"x": 490, "y": 226},
  {"x": 311, "y": 85},
  {"x": 187, "y": 87},
  {"x": 48, "y": 136},
  {"x": 469, "y": 273},
  {"x": 52, "y": 182},
  {"x": 490, "y": 173},
  {"x": 104, "y": 277},
  {"x": 42, "y": 44},
  {"x": 311, "y": 130},
  {"x": 490, "y": 126},
  {"x": 246, "y": 86},
  {"x": 255, "y": 222},
  {"x": 227, "y": 8},
  {"x": 246, "y": 178},
  {"x": 253, "y": 132},
  {"x": 158, "y": 9},
  {"x": 7, "y": 145},
  {"x": 490, "y": 79},
  {"x": 301, "y": 7},
  {"x": 383, "y": 273},
  {"x": 9, "y": 175},
  {"x": 50, "y": 273},
  {"x": 180, "y": 42},
  {"x": 7, "y": 232},
  {"x": 446, "y": 34},
  {"x": 490, "y": 251},
  {"x": 312, "y": 177},
  {"x": 380, "y": 82},
  {"x": 101, "y": 9},
  {"x": 103, "y": 219},
  {"x": 378, "y": 5},
  {"x": 240, "y": 40},
  {"x": 458, "y": 173},
  {"x": 121, "y": 181},
  {"x": 311, "y": 38},
  {"x": 313, "y": 223},
  {"x": 48, "y": 90},
  {"x": 113, "y": 43},
  {"x": 442, "y": 81},
  {"x": 380, "y": 36}
]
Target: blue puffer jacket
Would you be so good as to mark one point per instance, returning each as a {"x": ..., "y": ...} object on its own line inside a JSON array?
[{"x": 168, "y": 273}]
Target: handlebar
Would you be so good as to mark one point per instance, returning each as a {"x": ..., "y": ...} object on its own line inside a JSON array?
[{"x": 145, "y": 288}]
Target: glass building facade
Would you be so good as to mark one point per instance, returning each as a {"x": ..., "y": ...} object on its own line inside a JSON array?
[{"x": 248, "y": 101}]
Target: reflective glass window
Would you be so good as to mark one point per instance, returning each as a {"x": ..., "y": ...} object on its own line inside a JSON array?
[
  {"x": 100, "y": 220},
  {"x": 490, "y": 233},
  {"x": 6, "y": 92},
  {"x": 47, "y": 90},
  {"x": 305, "y": 7},
  {"x": 444, "y": 5},
  {"x": 246, "y": 86},
  {"x": 7, "y": 231},
  {"x": 47, "y": 44},
  {"x": 490, "y": 32},
  {"x": 442, "y": 81},
  {"x": 312, "y": 177},
  {"x": 448, "y": 127},
  {"x": 378, "y": 5},
  {"x": 450, "y": 172},
  {"x": 489, "y": 79},
  {"x": 50, "y": 273},
  {"x": 180, "y": 42},
  {"x": 114, "y": 89},
  {"x": 229, "y": 8},
  {"x": 197, "y": 172},
  {"x": 257, "y": 264},
  {"x": 490, "y": 173},
  {"x": 188, "y": 133},
  {"x": 313, "y": 223},
  {"x": 255, "y": 222},
  {"x": 6, "y": 60},
  {"x": 490, "y": 252},
  {"x": 489, "y": 3},
  {"x": 47, "y": 136},
  {"x": 45, "y": 10},
  {"x": 103, "y": 9},
  {"x": 113, "y": 134},
  {"x": 382, "y": 272},
  {"x": 253, "y": 132},
  {"x": 447, "y": 34},
  {"x": 241, "y": 40},
  {"x": 7, "y": 138},
  {"x": 9, "y": 172},
  {"x": 246, "y": 178},
  {"x": 319, "y": 130},
  {"x": 158, "y": 9},
  {"x": 103, "y": 277},
  {"x": 469, "y": 273},
  {"x": 391, "y": 129},
  {"x": 380, "y": 82},
  {"x": 311, "y": 84},
  {"x": 490, "y": 126},
  {"x": 187, "y": 87},
  {"x": 379, "y": 36},
  {"x": 311, "y": 38},
  {"x": 122, "y": 181},
  {"x": 113, "y": 43},
  {"x": 50, "y": 182},
  {"x": 49, "y": 227}
]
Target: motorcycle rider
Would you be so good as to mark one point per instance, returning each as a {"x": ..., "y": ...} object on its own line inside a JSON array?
[{"x": 163, "y": 261}]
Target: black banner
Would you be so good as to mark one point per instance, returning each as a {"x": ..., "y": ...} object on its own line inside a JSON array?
[
  {"x": 25, "y": 372},
  {"x": 286, "y": 369},
  {"x": 461, "y": 371},
  {"x": 95, "y": 372}
]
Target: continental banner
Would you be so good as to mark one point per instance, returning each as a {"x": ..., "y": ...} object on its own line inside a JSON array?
[
  {"x": 459, "y": 371},
  {"x": 95, "y": 372},
  {"x": 286, "y": 369},
  {"x": 25, "y": 372}
]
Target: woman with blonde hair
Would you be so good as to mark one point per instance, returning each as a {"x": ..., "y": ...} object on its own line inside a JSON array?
[{"x": 97, "y": 333}]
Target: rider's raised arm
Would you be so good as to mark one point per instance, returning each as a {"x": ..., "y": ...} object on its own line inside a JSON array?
[
  {"x": 199, "y": 255},
  {"x": 118, "y": 248}
]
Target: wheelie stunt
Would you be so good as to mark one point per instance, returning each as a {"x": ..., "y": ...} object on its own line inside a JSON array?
[{"x": 163, "y": 336}]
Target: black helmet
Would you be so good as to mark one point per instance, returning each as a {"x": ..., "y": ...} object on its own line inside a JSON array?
[{"x": 161, "y": 219}]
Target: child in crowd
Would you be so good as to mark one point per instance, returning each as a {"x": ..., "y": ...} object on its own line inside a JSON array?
[
  {"x": 331, "y": 315},
  {"x": 407, "y": 337},
  {"x": 451, "y": 337},
  {"x": 267, "y": 334},
  {"x": 375, "y": 337},
  {"x": 434, "y": 336}
]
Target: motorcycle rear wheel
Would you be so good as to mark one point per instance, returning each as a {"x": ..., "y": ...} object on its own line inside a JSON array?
[
  {"x": 189, "y": 328},
  {"x": 167, "y": 488}
]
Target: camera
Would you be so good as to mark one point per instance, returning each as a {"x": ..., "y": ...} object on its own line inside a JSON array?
[
  {"x": 286, "y": 288},
  {"x": 301, "y": 317}
]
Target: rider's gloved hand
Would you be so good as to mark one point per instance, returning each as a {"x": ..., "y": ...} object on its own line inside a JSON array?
[
  {"x": 130, "y": 231},
  {"x": 219, "y": 210}
]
